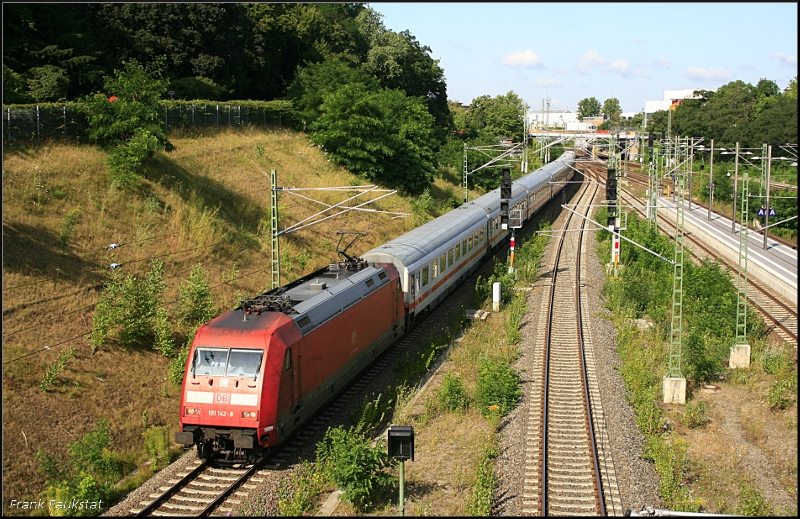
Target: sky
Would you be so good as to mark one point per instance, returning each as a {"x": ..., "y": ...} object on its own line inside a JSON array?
[{"x": 572, "y": 51}]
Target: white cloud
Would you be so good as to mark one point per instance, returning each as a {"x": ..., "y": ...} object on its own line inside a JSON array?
[
  {"x": 662, "y": 62},
  {"x": 545, "y": 82},
  {"x": 526, "y": 58},
  {"x": 708, "y": 73},
  {"x": 619, "y": 66},
  {"x": 590, "y": 59},
  {"x": 641, "y": 73},
  {"x": 561, "y": 70},
  {"x": 784, "y": 60}
]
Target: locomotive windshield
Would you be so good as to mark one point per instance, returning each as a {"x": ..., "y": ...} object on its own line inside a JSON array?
[{"x": 225, "y": 362}]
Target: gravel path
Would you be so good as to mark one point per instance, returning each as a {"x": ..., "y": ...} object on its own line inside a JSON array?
[{"x": 637, "y": 478}]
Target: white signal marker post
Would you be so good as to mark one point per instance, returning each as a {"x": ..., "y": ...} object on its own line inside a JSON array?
[{"x": 511, "y": 246}]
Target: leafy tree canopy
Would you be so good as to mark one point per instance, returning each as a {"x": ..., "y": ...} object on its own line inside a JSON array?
[
  {"x": 588, "y": 107},
  {"x": 612, "y": 109}
]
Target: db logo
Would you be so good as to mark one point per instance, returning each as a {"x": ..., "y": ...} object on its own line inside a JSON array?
[{"x": 222, "y": 398}]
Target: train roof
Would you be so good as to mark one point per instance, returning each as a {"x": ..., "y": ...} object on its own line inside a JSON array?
[
  {"x": 418, "y": 243},
  {"x": 317, "y": 297}
]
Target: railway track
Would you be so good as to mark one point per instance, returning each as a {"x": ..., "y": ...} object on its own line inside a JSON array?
[
  {"x": 779, "y": 315},
  {"x": 644, "y": 181},
  {"x": 569, "y": 470}
]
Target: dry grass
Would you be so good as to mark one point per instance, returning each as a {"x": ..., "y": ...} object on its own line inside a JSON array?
[
  {"x": 744, "y": 442},
  {"x": 207, "y": 202}
]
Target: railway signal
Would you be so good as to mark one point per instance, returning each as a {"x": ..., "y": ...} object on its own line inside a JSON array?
[
  {"x": 505, "y": 196},
  {"x": 611, "y": 197}
]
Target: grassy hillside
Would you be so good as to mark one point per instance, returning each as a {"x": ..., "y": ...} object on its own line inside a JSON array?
[{"x": 207, "y": 203}]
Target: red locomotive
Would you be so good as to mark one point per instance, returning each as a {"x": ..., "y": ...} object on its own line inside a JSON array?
[{"x": 256, "y": 373}]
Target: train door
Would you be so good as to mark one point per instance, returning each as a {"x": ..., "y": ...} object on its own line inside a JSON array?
[{"x": 297, "y": 382}]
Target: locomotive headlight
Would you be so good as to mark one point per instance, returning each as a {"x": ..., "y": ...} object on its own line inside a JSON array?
[
  {"x": 249, "y": 414},
  {"x": 192, "y": 410}
]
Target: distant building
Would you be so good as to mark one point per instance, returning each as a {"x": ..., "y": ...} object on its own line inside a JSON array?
[{"x": 556, "y": 119}]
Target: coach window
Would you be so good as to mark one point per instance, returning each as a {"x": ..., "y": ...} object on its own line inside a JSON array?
[
  {"x": 475, "y": 236},
  {"x": 469, "y": 242},
  {"x": 435, "y": 267},
  {"x": 419, "y": 280},
  {"x": 458, "y": 252},
  {"x": 443, "y": 262},
  {"x": 464, "y": 247},
  {"x": 450, "y": 258},
  {"x": 481, "y": 235},
  {"x": 424, "y": 275}
]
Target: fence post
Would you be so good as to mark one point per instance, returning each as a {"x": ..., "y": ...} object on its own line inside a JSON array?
[
  {"x": 9, "y": 125},
  {"x": 166, "y": 122},
  {"x": 192, "y": 114},
  {"x": 229, "y": 115},
  {"x": 217, "y": 115},
  {"x": 38, "y": 129},
  {"x": 65, "y": 121}
]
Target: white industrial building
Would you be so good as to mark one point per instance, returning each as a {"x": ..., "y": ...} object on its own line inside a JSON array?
[{"x": 560, "y": 119}]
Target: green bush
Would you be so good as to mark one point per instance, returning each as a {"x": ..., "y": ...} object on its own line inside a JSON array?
[
  {"x": 781, "y": 394},
  {"x": 86, "y": 474},
  {"x": 371, "y": 414},
  {"x": 498, "y": 385},
  {"x": 355, "y": 467},
  {"x": 70, "y": 222},
  {"x": 453, "y": 394},
  {"x": 514, "y": 314},
  {"x": 694, "y": 414},
  {"x": 413, "y": 367},
  {"x": 483, "y": 287},
  {"x": 196, "y": 302},
  {"x": 177, "y": 365},
  {"x": 482, "y": 498},
  {"x": 127, "y": 119},
  {"x": 129, "y": 308},
  {"x": 84, "y": 488},
  {"x": 752, "y": 503},
  {"x": 157, "y": 443},
  {"x": 775, "y": 361},
  {"x": 297, "y": 497},
  {"x": 55, "y": 369}
]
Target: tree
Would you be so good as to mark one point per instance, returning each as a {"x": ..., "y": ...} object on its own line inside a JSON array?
[
  {"x": 313, "y": 82},
  {"x": 398, "y": 61},
  {"x": 126, "y": 119},
  {"x": 588, "y": 107},
  {"x": 499, "y": 117},
  {"x": 383, "y": 136},
  {"x": 611, "y": 109}
]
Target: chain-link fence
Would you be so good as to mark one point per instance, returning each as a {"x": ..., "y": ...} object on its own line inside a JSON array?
[{"x": 68, "y": 122}]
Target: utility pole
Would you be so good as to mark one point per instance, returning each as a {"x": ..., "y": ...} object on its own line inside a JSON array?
[
  {"x": 735, "y": 188},
  {"x": 711, "y": 181},
  {"x": 653, "y": 170},
  {"x": 767, "y": 209},
  {"x": 276, "y": 254},
  {"x": 740, "y": 352},
  {"x": 674, "y": 383}
]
